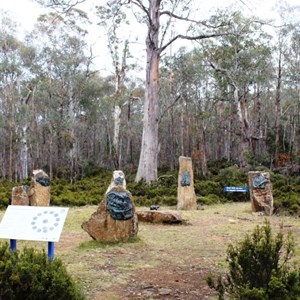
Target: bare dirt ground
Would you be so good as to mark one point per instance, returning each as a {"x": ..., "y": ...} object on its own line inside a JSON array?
[{"x": 164, "y": 261}]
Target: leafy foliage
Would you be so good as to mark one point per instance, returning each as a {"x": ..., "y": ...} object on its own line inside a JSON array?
[
  {"x": 90, "y": 190},
  {"x": 29, "y": 274},
  {"x": 259, "y": 268}
]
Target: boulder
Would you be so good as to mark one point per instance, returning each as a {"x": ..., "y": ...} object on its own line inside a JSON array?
[
  {"x": 20, "y": 195},
  {"x": 154, "y": 216}
]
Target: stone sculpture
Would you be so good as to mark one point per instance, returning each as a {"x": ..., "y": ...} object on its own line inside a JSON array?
[
  {"x": 39, "y": 190},
  {"x": 260, "y": 188},
  {"x": 115, "y": 218},
  {"x": 186, "y": 197}
]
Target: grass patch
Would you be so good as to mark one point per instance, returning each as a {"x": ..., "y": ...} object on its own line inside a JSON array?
[{"x": 174, "y": 257}]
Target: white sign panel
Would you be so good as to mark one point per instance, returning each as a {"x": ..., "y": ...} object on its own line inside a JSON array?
[{"x": 34, "y": 223}]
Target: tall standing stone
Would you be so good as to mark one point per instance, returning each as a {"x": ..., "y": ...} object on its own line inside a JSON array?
[
  {"x": 115, "y": 218},
  {"x": 186, "y": 197},
  {"x": 39, "y": 191},
  {"x": 260, "y": 188},
  {"x": 19, "y": 195}
]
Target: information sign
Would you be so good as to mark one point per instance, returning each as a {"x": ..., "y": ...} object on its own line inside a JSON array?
[
  {"x": 35, "y": 223},
  {"x": 242, "y": 189}
]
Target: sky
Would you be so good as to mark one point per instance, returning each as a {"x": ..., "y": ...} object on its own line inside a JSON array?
[{"x": 25, "y": 13}]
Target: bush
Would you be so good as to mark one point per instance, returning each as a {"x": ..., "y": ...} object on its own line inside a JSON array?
[
  {"x": 29, "y": 274},
  {"x": 210, "y": 199},
  {"x": 259, "y": 269}
]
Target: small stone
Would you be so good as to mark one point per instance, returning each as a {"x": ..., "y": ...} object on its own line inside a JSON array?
[{"x": 164, "y": 291}]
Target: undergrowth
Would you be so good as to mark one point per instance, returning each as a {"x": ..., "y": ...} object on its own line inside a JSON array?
[
  {"x": 28, "y": 274},
  {"x": 259, "y": 268},
  {"x": 209, "y": 190}
]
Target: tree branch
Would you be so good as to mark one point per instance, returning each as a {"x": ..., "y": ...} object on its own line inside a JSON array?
[
  {"x": 170, "y": 14},
  {"x": 191, "y": 38},
  {"x": 171, "y": 105}
]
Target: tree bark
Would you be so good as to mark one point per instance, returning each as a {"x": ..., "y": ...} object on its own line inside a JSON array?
[
  {"x": 147, "y": 168},
  {"x": 278, "y": 108}
]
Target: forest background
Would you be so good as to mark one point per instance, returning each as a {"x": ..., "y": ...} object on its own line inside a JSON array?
[{"x": 231, "y": 101}]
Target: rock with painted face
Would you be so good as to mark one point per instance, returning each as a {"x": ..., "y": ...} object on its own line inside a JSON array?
[
  {"x": 39, "y": 191},
  {"x": 115, "y": 218},
  {"x": 260, "y": 188}
]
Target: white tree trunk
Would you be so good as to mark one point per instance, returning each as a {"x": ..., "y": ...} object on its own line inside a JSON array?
[
  {"x": 149, "y": 150},
  {"x": 117, "y": 121},
  {"x": 24, "y": 154}
]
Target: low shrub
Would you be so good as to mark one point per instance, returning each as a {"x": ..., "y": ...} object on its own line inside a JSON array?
[
  {"x": 259, "y": 268},
  {"x": 29, "y": 274},
  {"x": 208, "y": 187},
  {"x": 210, "y": 199}
]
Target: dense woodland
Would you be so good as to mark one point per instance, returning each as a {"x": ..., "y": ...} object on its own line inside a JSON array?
[{"x": 235, "y": 97}]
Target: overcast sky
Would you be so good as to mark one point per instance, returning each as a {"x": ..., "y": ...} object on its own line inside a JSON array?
[{"x": 25, "y": 13}]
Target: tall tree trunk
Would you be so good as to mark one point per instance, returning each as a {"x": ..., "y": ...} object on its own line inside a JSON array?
[
  {"x": 10, "y": 160},
  {"x": 129, "y": 158},
  {"x": 116, "y": 136},
  {"x": 278, "y": 107},
  {"x": 244, "y": 127},
  {"x": 24, "y": 154},
  {"x": 182, "y": 128},
  {"x": 147, "y": 168}
]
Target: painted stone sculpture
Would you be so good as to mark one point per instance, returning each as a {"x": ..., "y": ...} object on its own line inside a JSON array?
[
  {"x": 39, "y": 190},
  {"x": 261, "y": 196},
  {"x": 115, "y": 218},
  {"x": 186, "y": 197}
]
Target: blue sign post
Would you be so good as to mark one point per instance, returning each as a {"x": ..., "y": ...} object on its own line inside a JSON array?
[
  {"x": 51, "y": 250},
  {"x": 13, "y": 245},
  {"x": 242, "y": 189}
]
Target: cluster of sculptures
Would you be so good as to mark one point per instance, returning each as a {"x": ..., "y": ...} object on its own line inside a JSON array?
[
  {"x": 37, "y": 194},
  {"x": 116, "y": 217}
]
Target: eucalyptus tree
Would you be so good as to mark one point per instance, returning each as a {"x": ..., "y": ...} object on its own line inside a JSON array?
[
  {"x": 16, "y": 93},
  {"x": 238, "y": 58},
  {"x": 120, "y": 54},
  {"x": 287, "y": 57},
  {"x": 186, "y": 92},
  {"x": 293, "y": 80},
  {"x": 63, "y": 70},
  {"x": 158, "y": 17}
]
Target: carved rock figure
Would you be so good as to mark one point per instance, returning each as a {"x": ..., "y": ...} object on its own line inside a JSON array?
[
  {"x": 261, "y": 195},
  {"x": 39, "y": 191},
  {"x": 115, "y": 218},
  {"x": 186, "y": 197}
]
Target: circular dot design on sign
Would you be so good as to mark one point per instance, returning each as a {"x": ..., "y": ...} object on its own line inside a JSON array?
[{"x": 45, "y": 221}]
